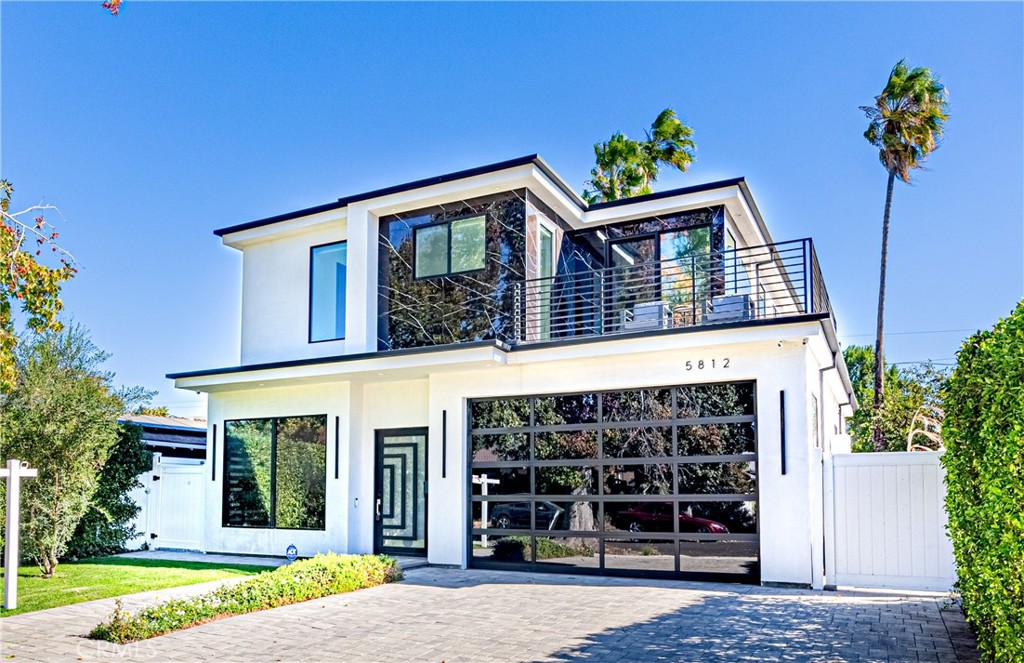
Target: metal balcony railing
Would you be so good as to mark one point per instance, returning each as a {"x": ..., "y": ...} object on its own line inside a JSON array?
[{"x": 754, "y": 283}]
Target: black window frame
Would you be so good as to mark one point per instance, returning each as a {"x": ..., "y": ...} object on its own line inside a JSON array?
[
  {"x": 448, "y": 254},
  {"x": 272, "y": 516},
  {"x": 309, "y": 335}
]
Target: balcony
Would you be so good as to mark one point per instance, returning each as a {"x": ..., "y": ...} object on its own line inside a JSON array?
[{"x": 770, "y": 282}]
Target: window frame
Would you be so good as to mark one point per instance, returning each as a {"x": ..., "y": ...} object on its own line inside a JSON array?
[
  {"x": 448, "y": 253},
  {"x": 309, "y": 334},
  {"x": 272, "y": 515}
]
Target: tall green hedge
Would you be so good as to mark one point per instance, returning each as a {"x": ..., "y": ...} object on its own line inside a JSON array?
[{"x": 984, "y": 459}]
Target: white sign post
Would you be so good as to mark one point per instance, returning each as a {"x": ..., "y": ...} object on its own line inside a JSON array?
[
  {"x": 14, "y": 472},
  {"x": 484, "y": 482}
]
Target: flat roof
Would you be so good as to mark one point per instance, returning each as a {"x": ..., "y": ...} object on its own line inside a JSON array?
[{"x": 533, "y": 159}]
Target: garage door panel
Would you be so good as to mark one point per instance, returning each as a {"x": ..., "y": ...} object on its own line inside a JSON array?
[{"x": 652, "y": 481}]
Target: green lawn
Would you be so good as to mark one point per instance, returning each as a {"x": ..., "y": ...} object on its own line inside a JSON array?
[{"x": 105, "y": 577}]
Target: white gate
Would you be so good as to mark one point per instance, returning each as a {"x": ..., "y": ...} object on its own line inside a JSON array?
[
  {"x": 172, "y": 502},
  {"x": 885, "y": 521}
]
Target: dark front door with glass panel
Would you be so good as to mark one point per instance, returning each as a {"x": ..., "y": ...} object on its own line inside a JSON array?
[{"x": 400, "y": 505}]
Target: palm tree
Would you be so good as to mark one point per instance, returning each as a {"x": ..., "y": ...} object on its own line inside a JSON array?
[
  {"x": 620, "y": 170},
  {"x": 625, "y": 168},
  {"x": 907, "y": 121},
  {"x": 669, "y": 142}
]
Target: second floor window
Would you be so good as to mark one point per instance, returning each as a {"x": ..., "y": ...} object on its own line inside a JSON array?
[
  {"x": 327, "y": 279},
  {"x": 453, "y": 247}
]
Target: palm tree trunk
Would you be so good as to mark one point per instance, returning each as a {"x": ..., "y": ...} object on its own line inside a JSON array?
[{"x": 876, "y": 430}]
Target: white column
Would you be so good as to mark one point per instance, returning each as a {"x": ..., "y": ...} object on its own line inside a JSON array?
[{"x": 361, "y": 295}]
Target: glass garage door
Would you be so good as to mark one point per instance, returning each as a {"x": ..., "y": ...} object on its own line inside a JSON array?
[{"x": 659, "y": 481}]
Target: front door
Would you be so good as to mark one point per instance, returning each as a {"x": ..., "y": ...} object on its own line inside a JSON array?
[{"x": 400, "y": 507}]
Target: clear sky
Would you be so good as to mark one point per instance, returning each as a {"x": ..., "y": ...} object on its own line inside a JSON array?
[{"x": 153, "y": 128}]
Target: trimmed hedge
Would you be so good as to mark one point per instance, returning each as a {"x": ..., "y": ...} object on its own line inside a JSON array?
[
  {"x": 313, "y": 578},
  {"x": 984, "y": 460},
  {"x": 517, "y": 549}
]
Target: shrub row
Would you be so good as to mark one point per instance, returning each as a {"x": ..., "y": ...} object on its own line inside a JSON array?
[
  {"x": 320, "y": 576},
  {"x": 984, "y": 460},
  {"x": 517, "y": 549}
]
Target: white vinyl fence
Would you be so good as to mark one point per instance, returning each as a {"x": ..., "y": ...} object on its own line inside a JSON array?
[
  {"x": 172, "y": 501},
  {"x": 885, "y": 521}
]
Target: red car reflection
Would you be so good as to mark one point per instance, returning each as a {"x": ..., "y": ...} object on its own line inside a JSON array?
[{"x": 657, "y": 517}]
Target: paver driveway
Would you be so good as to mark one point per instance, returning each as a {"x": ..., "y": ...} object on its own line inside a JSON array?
[{"x": 483, "y": 616}]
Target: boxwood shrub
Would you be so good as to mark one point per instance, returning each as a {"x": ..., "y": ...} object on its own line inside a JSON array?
[
  {"x": 984, "y": 460},
  {"x": 313, "y": 578}
]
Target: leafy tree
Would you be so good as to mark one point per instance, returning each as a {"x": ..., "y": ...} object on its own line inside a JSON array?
[
  {"x": 984, "y": 460},
  {"x": 107, "y": 524},
  {"x": 908, "y": 390},
  {"x": 625, "y": 168},
  {"x": 907, "y": 121},
  {"x": 62, "y": 419},
  {"x": 152, "y": 411},
  {"x": 25, "y": 279}
]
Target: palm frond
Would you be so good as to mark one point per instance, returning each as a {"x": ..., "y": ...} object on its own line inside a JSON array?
[{"x": 907, "y": 121}]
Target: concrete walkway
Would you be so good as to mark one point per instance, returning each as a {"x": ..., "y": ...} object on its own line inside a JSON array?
[{"x": 489, "y": 616}]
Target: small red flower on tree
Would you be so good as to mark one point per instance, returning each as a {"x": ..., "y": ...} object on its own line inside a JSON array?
[{"x": 113, "y": 6}]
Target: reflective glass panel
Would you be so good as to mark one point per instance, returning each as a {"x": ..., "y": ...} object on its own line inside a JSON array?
[
  {"x": 638, "y": 442},
  {"x": 716, "y": 439},
  {"x": 301, "y": 472},
  {"x": 500, "y": 447},
  {"x": 328, "y": 280},
  {"x": 431, "y": 251},
  {"x": 247, "y": 493},
  {"x": 469, "y": 244},
  {"x": 566, "y": 445},
  {"x": 500, "y": 413}
]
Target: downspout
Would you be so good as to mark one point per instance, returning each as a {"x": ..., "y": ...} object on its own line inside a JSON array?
[{"x": 821, "y": 399}]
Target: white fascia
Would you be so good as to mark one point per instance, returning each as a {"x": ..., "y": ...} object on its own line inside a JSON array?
[
  {"x": 367, "y": 369},
  {"x": 241, "y": 239},
  {"x": 779, "y": 334}
]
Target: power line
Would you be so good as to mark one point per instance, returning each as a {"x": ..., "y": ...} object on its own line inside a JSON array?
[{"x": 911, "y": 333}]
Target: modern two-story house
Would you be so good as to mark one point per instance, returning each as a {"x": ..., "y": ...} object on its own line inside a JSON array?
[{"x": 482, "y": 369}]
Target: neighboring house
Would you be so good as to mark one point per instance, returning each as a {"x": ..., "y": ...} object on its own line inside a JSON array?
[
  {"x": 172, "y": 495},
  {"x": 172, "y": 437},
  {"x": 645, "y": 386}
]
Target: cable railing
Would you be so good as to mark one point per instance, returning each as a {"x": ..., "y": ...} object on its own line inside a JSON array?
[{"x": 735, "y": 286}]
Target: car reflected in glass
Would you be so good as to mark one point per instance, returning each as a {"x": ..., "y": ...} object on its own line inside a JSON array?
[
  {"x": 516, "y": 515},
  {"x": 657, "y": 517}
]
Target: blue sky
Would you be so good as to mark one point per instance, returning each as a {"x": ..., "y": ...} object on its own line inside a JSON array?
[{"x": 153, "y": 128}]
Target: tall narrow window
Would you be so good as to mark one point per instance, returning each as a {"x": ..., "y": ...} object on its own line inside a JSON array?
[
  {"x": 546, "y": 257},
  {"x": 328, "y": 277}
]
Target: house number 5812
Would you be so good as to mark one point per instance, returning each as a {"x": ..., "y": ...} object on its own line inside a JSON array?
[{"x": 701, "y": 364}]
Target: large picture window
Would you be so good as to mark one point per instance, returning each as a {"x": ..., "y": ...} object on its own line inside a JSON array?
[
  {"x": 276, "y": 472},
  {"x": 656, "y": 481},
  {"x": 327, "y": 280},
  {"x": 452, "y": 247}
]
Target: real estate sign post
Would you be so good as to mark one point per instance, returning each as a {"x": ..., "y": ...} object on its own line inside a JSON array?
[{"x": 15, "y": 471}]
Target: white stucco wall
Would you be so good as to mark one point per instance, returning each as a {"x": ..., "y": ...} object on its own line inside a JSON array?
[
  {"x": 785, "y": 502},
  {"x": 331, "y": 399},
  {"x": 275, "y": 295},
  {"x": 776, "y": 359}
]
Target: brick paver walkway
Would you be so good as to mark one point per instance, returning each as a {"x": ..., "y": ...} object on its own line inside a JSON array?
[{"x": 483, "y": 616}]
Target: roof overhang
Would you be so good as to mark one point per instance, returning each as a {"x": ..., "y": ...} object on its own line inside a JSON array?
[
  {"x": 417, "y": 363},
  {"x": 421, "y": 363},
  {"x": 529, "y": 172}
]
